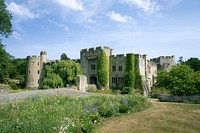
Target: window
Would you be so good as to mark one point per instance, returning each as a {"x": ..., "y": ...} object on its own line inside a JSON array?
[
  {"x": 28, "y": 71},
  {"x": 120, "y": 79},
  {"x": 38, "y": 72},
  {"x": 93, "y": 67},
  {"x": 120, "y": 68},
  {"x": 38, "y": 63},
  {"x": 113, "y": 68},
  {"x": 114, "y": 79}
]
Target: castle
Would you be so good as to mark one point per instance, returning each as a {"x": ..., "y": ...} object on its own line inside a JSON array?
[{"x": 88, "y": 60}]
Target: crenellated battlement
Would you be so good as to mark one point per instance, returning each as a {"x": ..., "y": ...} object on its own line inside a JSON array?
[
  {"x": 163, "y": 58},
  {"x": 118, "y": 56},
  {"x": 95, "y": 49}
]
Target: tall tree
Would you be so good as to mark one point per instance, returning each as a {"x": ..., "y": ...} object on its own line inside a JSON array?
[
  {"x": 64, "y": 57},
  {"x": 5, "y": 63},
  {"x": 5, "y": 20},
  {"x": 61, "y": 73},
  {"x": 194, "y": 63}
]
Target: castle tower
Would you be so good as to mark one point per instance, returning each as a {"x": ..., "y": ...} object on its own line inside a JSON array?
[
  {"x": 35, "y": 70},
  {"x": 164, "y": 62},
  {"x": 43, "y": 60},
  {"x": 32, "y": 72},
  {"x": 89, "y": 62}
]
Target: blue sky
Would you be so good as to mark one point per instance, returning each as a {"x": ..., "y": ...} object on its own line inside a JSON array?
[{"x": 152, "y": 27}]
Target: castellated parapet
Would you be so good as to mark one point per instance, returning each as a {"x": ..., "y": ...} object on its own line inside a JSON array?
[
  {"x": 35, "y": 70},
  {"x": 164, "y": 62}
]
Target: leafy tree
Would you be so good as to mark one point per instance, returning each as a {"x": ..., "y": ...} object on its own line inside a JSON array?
[
  {"x": 180, "y": 60},
  {"x": 180, "y": 80},
  {"x": 19, "y": 71},
  {"x": 130, "y": 70},
  {"x": 5, "y": 64},
  {"x": 103, "y": 69},
  {"x": 5, "y": 23},
  {"x": 64, "y": 57},
  {"x": 194, "y": 63},
  {"x": 52, "y": 80},
  {"x": 66, "y": 70},
  {"x": 163, "y": 79},
  {"x": 197, "y": 83}
]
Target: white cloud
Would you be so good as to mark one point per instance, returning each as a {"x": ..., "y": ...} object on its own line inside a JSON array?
[
  {"x": 119, "y": 17},
  {"x": 72, "y": 4},
  {"x": 148, "y": 6},
  {"x": 62, "y": 26},
  {"x": 17, "y": 35},
  {"x": 21, "y": 11}
]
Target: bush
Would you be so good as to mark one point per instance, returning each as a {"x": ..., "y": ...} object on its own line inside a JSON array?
[
  {"x": 127, "y": 90},
  {"x": 13, "y": 85}
]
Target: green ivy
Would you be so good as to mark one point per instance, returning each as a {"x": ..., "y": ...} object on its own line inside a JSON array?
[
  {"x": 103, "y": 69},
  {"x": 130, "y": 70},
  {"x": 138, "y": 78}
]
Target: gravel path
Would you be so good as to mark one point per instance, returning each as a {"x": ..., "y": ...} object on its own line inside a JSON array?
[{"x": 61, "y": 91}]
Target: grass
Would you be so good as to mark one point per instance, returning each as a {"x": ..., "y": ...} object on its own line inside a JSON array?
[
  {"x": 65, "y": 114},
  {"x": 161, "y": 118}
]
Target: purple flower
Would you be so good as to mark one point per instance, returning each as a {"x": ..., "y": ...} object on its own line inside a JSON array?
[
  {"x": 125, "y": 101},
  {"x": 86, "y": 109},
  {"x": 94, "y": 110}
]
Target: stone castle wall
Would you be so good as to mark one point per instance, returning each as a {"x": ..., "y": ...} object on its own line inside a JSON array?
[
  {"x": 35, "y": 70},
  {"x": 164, "y": 62},
  {"x": 117, "y": 70},
  {"x": 89, "y": 60}
]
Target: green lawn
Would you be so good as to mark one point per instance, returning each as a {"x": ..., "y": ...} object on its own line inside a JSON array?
[{"x": 161, "y": 118}]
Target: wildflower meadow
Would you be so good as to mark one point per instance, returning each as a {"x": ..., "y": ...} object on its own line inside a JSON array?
[{"x": 65, "y": 114}]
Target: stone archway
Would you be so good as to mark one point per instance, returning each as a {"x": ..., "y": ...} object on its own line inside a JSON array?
[{"x": 93, "y": 80}]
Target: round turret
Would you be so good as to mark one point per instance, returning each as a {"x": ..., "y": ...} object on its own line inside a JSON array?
[{"x": 33, "y": 72}]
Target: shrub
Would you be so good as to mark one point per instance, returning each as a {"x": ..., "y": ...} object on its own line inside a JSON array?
[
  {"x": 127, "y": 90},
  {"x": 124, "y": 108},
  {"x": 13, "y": 85}
]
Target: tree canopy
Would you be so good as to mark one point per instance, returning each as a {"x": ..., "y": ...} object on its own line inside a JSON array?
[
  {"x": 5, "y": 64},
  {"x": 5, "y": 20},
  {"x": 194, "y": 63},
  {"x": 180, "y": 80},
  {"x": 61, "y": 73},
  {"x": 64, "y": 57}
]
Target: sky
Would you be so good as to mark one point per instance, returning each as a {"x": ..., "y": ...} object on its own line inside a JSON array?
[{"x": 152, "y": 27}]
